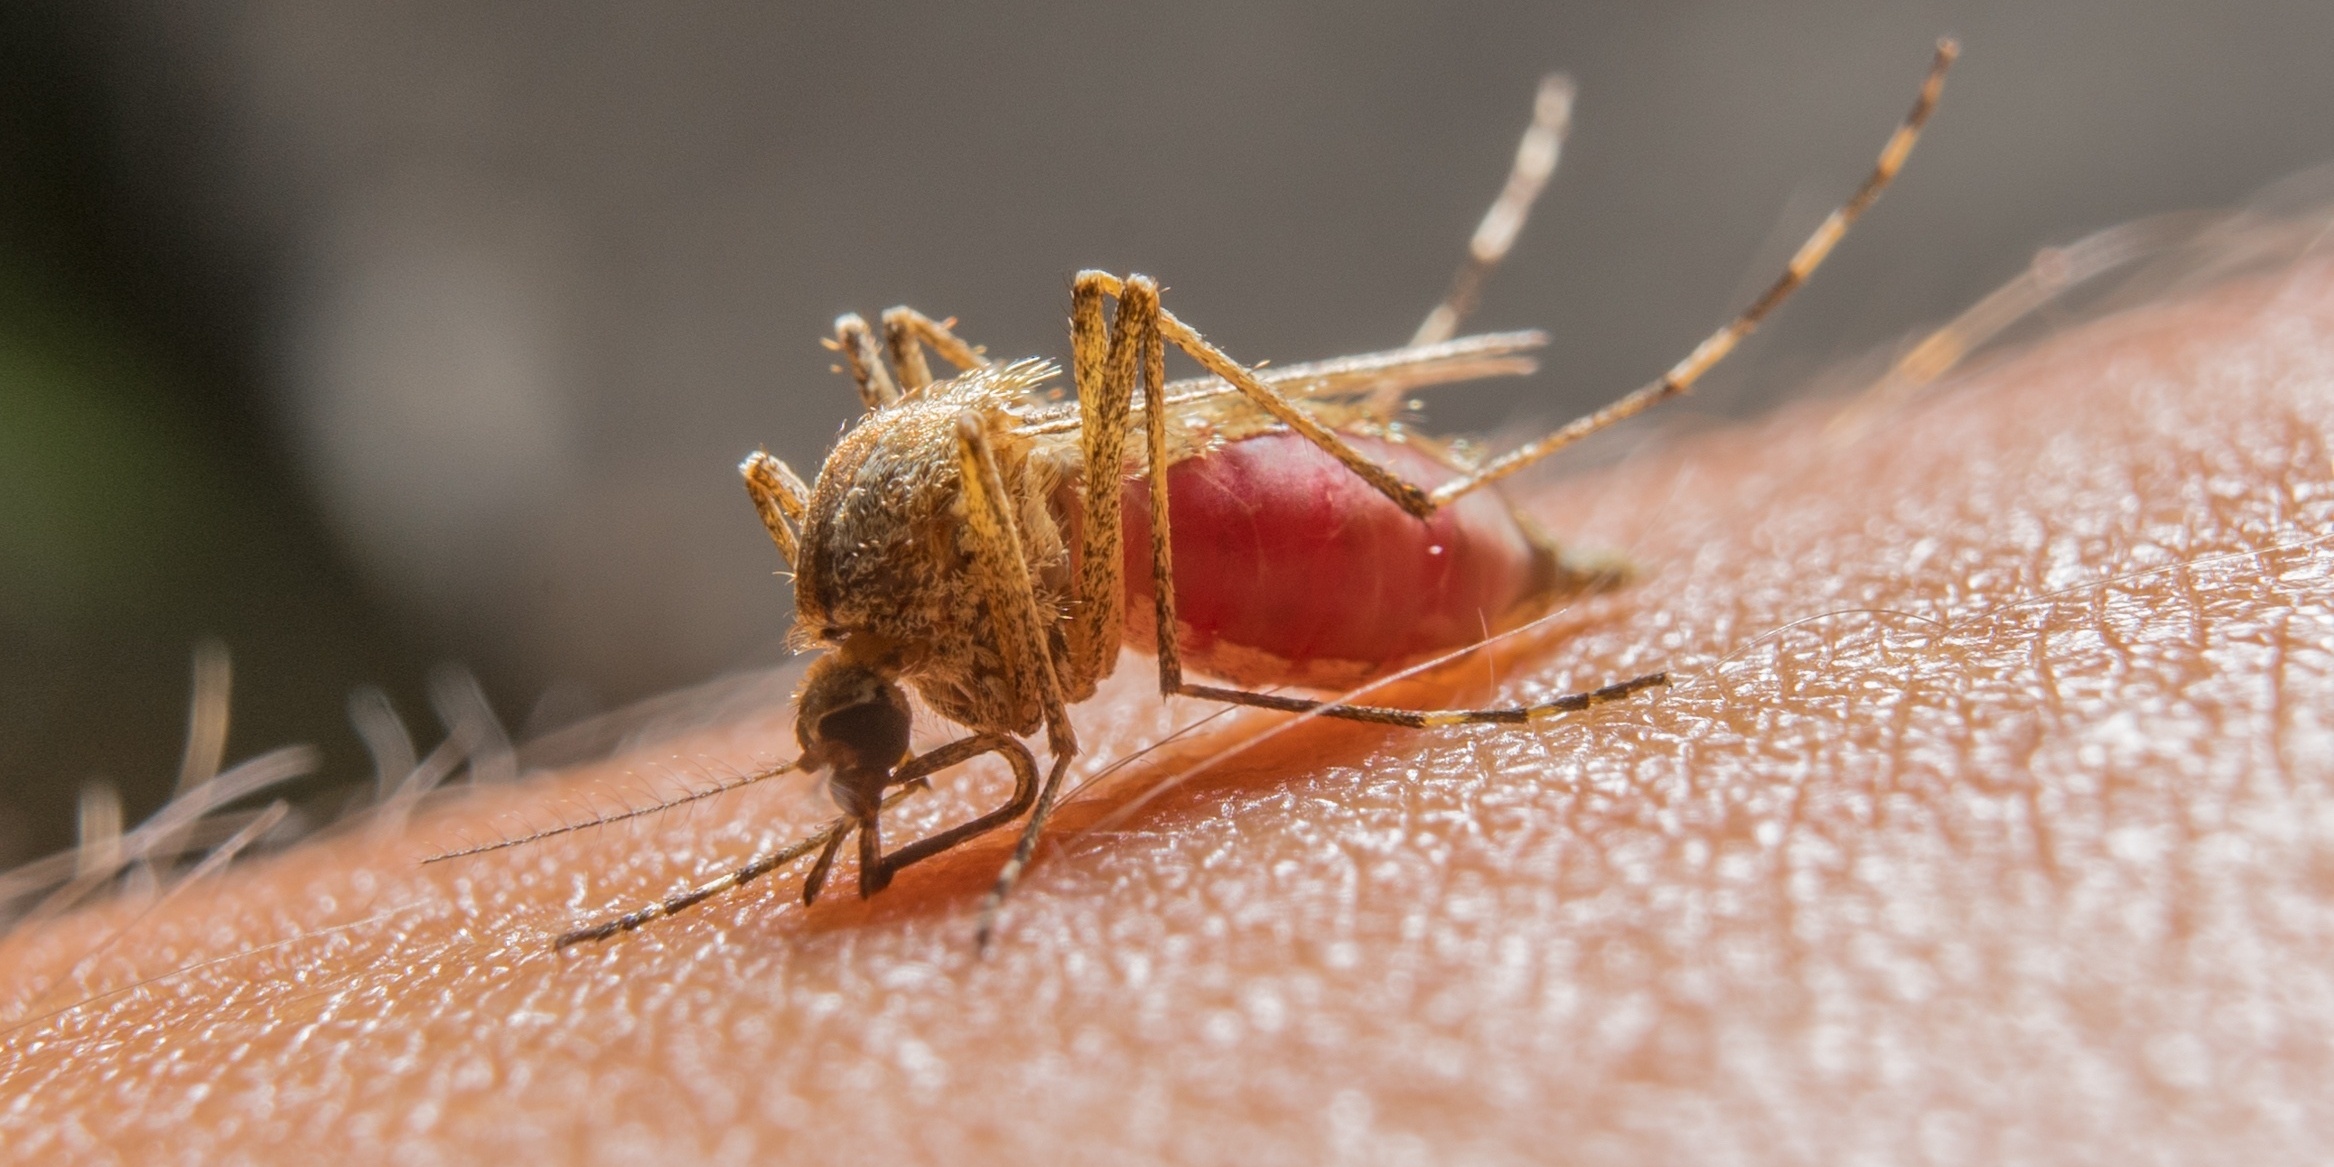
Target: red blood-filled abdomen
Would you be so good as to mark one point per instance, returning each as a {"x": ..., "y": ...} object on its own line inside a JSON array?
[{"x": 1289, "y": 569}]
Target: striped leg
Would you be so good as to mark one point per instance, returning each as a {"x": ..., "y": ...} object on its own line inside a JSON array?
[{"x": 1682, "y": 376}]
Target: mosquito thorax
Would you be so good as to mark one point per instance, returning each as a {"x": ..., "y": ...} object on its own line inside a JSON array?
[{"x": 852, "y": 721}]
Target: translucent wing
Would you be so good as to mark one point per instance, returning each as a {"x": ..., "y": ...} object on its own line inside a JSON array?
[{"x": 1378, "y": 376}]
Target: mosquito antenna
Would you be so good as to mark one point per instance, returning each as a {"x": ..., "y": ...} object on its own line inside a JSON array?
[
  {"x": 1535, "y": 161},
  {"x": 604, "y": 820}
]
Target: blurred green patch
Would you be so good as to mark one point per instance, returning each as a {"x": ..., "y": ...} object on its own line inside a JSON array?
[{"x": 104, "y": 493}]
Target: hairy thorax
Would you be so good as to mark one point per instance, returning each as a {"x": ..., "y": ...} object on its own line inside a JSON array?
[{"x": 885, "y": 574}]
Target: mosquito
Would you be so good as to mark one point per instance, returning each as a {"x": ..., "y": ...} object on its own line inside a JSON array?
[{"x": 993, "y": 548}]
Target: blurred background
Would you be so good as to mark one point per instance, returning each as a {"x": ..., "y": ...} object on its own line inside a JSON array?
[{"x": 362, "y": 338}]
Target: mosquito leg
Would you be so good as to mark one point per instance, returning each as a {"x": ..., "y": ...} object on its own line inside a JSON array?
[
  {"x": 1004, "y": 577},
  {"x": 1435, "y": 718},
  {"x": 872, "y": 876},
  {"x": 1139, "y": 303},
  {"x": 1000, "y": 569},
  {"x": 1535, "y": 161},
  {"x": 1405, "y": 495},
  {"x": 906, "y": 331},
  {"x": 1024, "y": 794},
  {"x": 1284, "y": 410},
  {"x": 907, "y": 353},
  {"x": 875, "y": 868},
  {"x": 1682, "y": 376},
  {"x": 856, "y": 342},
  {"x": 779, "y": 497},
  {"x": 1162, "y": 548},
  {"x": 816, "y": 881},
  {"x": 1010, "y": 874},
  {"x": 1103, "y": 365}
]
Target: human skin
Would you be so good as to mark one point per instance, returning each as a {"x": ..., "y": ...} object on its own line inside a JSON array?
[{"x": 1987, "y": 818}]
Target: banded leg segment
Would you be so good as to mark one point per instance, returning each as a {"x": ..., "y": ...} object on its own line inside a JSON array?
[
  {"x": 1811, "y": 254},
  {"x": 1107, "y": 362},
  {"x": 995, "y": 538},
  {"x": 1001, "y": 572},
  {"x": 1404, "y": 494},
  {"x": 1004, "y": 577},
  {"x": 1678, "y": 380},
  {"x": 1535, "y": 161},
  {"x": 1434, "y": 718},
  {"x": 1282, "y": 409},
  {"x": 1101, "y": 363},
  {"x": 1162, "y": 548}
]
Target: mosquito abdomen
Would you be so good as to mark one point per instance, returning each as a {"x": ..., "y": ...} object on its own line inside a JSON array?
[{"x": 1289, "y": 569}]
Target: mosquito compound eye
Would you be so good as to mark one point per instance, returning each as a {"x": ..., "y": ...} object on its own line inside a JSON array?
[{"x": 870, "y": 736}]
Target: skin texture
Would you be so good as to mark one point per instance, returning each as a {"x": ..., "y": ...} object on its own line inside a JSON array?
[{"x": 1990, "y": 818}]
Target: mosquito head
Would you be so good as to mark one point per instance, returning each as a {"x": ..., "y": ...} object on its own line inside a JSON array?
[{"x": 852, "y": 721}]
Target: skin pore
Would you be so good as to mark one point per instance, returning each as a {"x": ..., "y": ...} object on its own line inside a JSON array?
[{"x": 1989, "y": 818}]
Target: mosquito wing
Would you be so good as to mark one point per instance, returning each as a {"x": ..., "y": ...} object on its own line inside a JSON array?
[
  {"x": 1396, "y": 371},
  {"x": 1378, "y": 376}
]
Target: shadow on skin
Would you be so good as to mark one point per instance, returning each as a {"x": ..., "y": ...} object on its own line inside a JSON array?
[{"x": 1988, "y": 818}]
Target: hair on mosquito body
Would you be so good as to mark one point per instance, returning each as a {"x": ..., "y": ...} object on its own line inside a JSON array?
[{"x": 979, "y": 542}]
